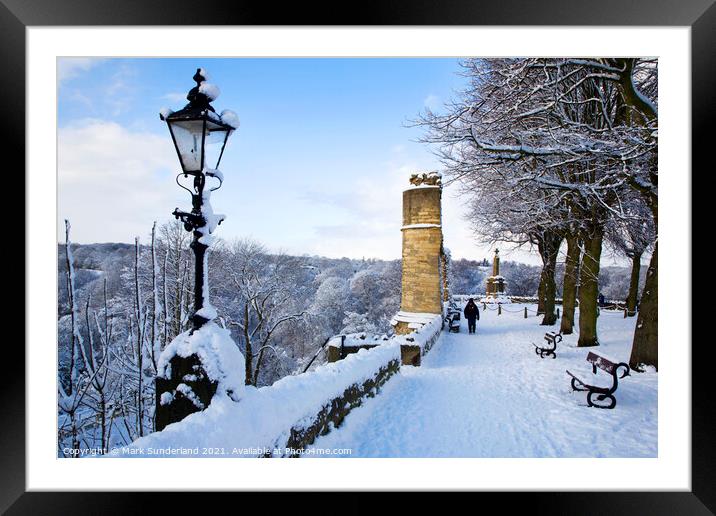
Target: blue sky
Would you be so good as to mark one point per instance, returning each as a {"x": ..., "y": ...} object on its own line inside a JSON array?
[{"x": 316, "y": 167}]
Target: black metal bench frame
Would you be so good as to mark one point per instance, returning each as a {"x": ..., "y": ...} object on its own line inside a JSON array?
[
  {"x": 602, "y": 394},
  {"x": 549, "y": 350},
  {"x": 453, "y": 320}
]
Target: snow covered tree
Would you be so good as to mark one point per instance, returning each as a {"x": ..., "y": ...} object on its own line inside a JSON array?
[
  {"x": 70, "y": 396},
  {"x": 173, "y": 243},
  {"x": 156, "y": 307},
  {"x": 631, "y": 236},
  {"x": 96, "y": 362},
  {"x": 331, "y": 301},
  {"x": 354, "y": 322},
  {"x": 262, "y": 287},
  {"x": 578, "y": 130},
  {"x": 139, "y": 319}
]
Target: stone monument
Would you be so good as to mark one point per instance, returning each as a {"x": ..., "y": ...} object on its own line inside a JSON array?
[{"x": 495, "y": 284}]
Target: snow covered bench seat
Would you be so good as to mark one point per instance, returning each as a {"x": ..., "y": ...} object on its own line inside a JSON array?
[{"x": 603, "y": 394}]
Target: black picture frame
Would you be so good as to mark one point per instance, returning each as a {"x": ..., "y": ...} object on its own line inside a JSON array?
[{"x": 700, "y": 15}]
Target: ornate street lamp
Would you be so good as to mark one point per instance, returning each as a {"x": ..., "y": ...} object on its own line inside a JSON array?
[
  {"x": 191, "y": 367},
  {"x": 200, "y": 136}
]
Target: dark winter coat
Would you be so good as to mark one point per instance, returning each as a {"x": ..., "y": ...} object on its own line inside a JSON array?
[{"x": 472, "y": 312}]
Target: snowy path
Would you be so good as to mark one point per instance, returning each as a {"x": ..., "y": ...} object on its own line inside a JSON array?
[{"x": 489, "y": 395}]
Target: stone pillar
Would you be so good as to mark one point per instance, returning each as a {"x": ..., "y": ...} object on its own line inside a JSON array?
[{"x": 422, "y": 252}]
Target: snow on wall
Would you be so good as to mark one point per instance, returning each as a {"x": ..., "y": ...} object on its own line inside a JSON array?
[
  {"x": 419, "y": 318},
  {"x": 264, "y": 417},
  {"x": 357, "y": 339},
  {"x": 426, "y": 326},
  {"x": 424, "y": 335}
]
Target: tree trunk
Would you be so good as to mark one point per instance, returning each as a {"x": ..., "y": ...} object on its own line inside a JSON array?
[
  {"x": 589, "y": 289},
  {"x": 103, "y": 421},
  {"x": 178, "y": 291},
  {"x": 248, "y": 352},
  {"x": 259, "y": 360},
  {"x": 633, "y": 285},
  {"x": 569, "y": 291},
  {"x": 75, "y": 435},
  {"x": 540, "y": 295},
  {"x": 187, "y": 294},
  {"x": 74, "y": 313},
  {"x": 645, "y": 349},
  {"x": 140, "y": 365},
  {"x": 165, "y": 340},
  {"x": 549, "y": 249},
  {"x": 155, "y": 303}
]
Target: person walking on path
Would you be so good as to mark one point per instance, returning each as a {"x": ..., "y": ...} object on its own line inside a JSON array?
[{"x": 472, "y": 313}]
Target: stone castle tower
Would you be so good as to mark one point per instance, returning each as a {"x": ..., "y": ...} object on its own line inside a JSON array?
[{"x": 422, "y": 275}]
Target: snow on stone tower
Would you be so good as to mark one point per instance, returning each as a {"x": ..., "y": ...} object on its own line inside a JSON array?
[{"x": 422, "y": 249}]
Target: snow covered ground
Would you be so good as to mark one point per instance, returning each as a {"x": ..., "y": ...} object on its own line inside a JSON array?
[{"x": 490, "y": 395}]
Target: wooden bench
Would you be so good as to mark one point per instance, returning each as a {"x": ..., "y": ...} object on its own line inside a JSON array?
[
  {"x": 603, "y": 394},
  {"x": 454, "y": 310},
  {"x": 552, "y": 339}
]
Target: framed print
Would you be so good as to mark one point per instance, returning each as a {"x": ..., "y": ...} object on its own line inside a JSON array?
[{"x": 426, "y": 242}]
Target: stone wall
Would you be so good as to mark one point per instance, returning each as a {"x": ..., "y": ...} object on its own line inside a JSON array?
[
  {"x": 412, "y": 354},
  {"x": 336, "y": 353},
  {"x": 332, "y": 414}
]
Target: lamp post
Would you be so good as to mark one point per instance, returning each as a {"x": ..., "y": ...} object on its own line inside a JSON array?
[
  {"x": 200, "y": 137},
  {"x": 189, "y": 368}
]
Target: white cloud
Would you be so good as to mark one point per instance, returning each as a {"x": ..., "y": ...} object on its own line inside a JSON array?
[
  {"x": 369, "y": 216},
  {"x": 69, "y": 67},
  {"x": 118, "y": 95},
  {"x": 113, "y": 182}
]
